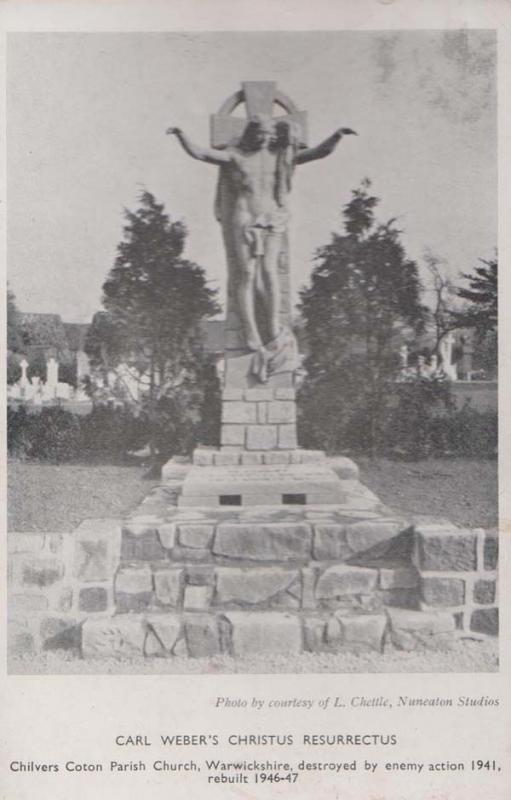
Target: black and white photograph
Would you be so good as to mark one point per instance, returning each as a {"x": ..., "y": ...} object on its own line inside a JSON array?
[
  {"x": 256, "y": 440},
  {"x": 252, "y": 352}
]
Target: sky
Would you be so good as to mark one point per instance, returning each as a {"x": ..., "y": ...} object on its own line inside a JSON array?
[{"x": 87, "y": 114}]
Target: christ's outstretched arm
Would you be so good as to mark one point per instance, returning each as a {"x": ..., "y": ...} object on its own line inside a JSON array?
[
  {"x": 208, "y": 154},
  {"x": 323, "y": 149}
]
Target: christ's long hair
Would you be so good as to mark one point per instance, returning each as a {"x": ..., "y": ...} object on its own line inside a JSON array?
[{"x": 286, "y": 143}]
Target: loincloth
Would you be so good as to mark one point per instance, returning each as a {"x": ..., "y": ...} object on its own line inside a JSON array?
[{"x": 264, "y": 225}]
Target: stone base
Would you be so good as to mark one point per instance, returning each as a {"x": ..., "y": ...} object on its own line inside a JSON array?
[
  {"x": 261, "y": 484},
  {"x": 196, "y": 579}
]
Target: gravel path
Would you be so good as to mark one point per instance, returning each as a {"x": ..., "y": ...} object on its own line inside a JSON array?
[{"x": 466, "y": 656}]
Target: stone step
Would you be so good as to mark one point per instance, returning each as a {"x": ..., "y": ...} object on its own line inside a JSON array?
[
  {"x": 268, "y": 534},
  {"x": 257, "y": 633},
  {"x": 317, "y": 586}
]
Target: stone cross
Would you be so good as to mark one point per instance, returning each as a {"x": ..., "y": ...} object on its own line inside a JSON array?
[
  {"x": 260, "y": 97},
  {"x": 24, "y": 367}
]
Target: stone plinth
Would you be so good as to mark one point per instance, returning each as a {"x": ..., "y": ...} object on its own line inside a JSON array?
[
  {"x": 257, "y": 416},
  {"x": 261, "y": 484}
]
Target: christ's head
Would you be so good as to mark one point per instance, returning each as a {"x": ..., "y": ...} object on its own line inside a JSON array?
[{"x": 259, "y": 132}]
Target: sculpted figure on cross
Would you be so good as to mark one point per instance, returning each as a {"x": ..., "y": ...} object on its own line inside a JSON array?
[{"x": 254, "y": 185}]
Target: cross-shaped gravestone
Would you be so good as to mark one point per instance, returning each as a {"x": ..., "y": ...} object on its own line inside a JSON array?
[{"x": 260, "y": 97}]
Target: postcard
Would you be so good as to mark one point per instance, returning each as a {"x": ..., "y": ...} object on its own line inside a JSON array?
[{"x": 256, "y": 400}]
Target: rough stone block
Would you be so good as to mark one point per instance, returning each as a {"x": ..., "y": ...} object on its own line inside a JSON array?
[
  {"x": 362, "y": 631},
  {"x": 191, "y": 555},
  {"x": 281, "y": 411},
  {"x": 485, "y": 591},
  {"x": 91, "y": 562},
  {"x": 446, "y": 549},
  {"x": 53, "y": 629},
  {"x": 122, "y": 635},
  {"x": 264, "y": 542},
  {"x": 97, "y": 544},
  {"x": 26, "y": 605},
  {"x": 25, "y": 542},
  {"x": 491, "y": 551},
  {"x": 443, "y": 591},
  {"x": 200, "y": 575},
  {"x": 20, "y": 639},
  {"x": 202, "y": 635},
  {"x": 252, "y": 586},
  {"x": 309, "y": 575},
  {"x": 287, "y": 437},
  {"x": 399, "y": 578},
  {"x": 261, "y": 437},
  {"x": 93, "y": 599},
  {"x": 167, "y": 534},
  {"x": 367, "y": 534},
  {"x": 330, "y": 543},
  {"x": 168, "y": 585},
  {"x": 233, "y": 434},
  {"x": 420, "y": 629},
  {"x": 226, "y": 458},
  {"x": 402, "y": 598},
  {"x": 56, "y": 543},
  {"x": 343, "y": 580},
  {"x": 239, "y": 412},
  {"x": 287, "y": 393},
  {"x": 485, "y": 620},
  {"x": 62, "y": 599},
  {"x": 258, "y": 394},
  {"x": 163, "y": 632},
  {"x": 144, "y": 547},
  {"x": 202, "y": 458},
  {"x": 133, "y": 588},
  {"x": 197, "y": 598},
  {"x": 314, "y": 634},
  {"x": 264, "y": 632},
  {"x": 41, "y": 571},
  {"x": 195, "y": 535}
]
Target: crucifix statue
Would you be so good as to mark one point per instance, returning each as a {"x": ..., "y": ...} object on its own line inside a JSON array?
[{"x": 257, "y": 157}]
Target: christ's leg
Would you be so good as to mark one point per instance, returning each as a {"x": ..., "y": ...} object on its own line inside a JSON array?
[
  {"x": 246, "y": 269},
  {"x": 271, "y": 282}
]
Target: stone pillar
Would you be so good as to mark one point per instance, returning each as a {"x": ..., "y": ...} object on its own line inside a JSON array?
[{"x": 255, "y": 415}]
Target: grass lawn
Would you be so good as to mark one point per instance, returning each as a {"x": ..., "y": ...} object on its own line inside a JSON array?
[
  {"x": 464, "y": 491},
  {"x": 43, "y": 497}
]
